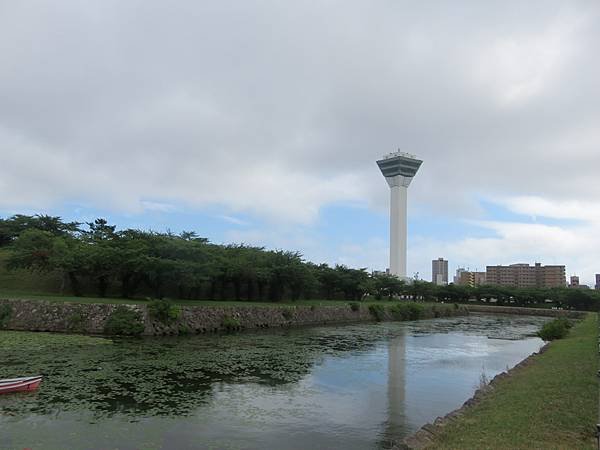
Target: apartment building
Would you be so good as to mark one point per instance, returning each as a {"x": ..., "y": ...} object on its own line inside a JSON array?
[
  {"x": 526, "y": 276},
  {"x": 574, "y": 281},
  {"x": 469, "y": 278}
]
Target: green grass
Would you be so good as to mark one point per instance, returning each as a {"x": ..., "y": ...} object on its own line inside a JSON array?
[
  {"x": 550, "y": 404},
  {"x": 19, "y": 294},
  {"x": 26, "y": 280}
]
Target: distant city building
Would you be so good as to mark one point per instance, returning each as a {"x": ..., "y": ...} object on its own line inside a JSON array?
[
  {"x": 597, "y": 286},
  {"x": 526, "y": 276},
  {"x": 469, "y": 278},
  {"x": 457, "y": 276},
  {"x": 574, "y": 281},
  {"x": 439, "y": 271}
]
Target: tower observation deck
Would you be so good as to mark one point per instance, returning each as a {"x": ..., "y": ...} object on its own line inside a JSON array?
[{"x": 398, "y": 168}]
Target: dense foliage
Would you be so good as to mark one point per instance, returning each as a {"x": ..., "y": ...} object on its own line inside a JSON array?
[
  {"x": 5, "y": 314},
  {"x": 96, "y": 258},
  {"x": 164, "y": 311},
  {"x": 124, "y": 321}
]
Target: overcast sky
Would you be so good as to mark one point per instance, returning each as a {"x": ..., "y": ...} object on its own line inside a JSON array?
[{"x": 260, "y": 122}]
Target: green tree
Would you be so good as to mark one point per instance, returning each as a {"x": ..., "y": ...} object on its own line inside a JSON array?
[{"x": 12, "y": 227}]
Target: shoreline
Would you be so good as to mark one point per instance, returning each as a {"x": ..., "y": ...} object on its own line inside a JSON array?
[
  {"x": 526, "y": 396},
  {"x": 427, "y": 434}
]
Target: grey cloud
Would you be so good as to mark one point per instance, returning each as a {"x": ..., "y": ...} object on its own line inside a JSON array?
[{"x": 279, "y": 108}]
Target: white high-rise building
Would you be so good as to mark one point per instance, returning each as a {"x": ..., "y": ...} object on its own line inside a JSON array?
[{"x": 398, "y": 168}]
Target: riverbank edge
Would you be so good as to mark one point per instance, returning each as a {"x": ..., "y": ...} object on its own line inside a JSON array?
[
  {"x": 571, "y": 314},
  {"x": 427, "y": 435},
  {"x": 91, "y": 318}
]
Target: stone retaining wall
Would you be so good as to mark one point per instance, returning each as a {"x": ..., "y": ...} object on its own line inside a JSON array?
[{"x": 38, "y": 315}]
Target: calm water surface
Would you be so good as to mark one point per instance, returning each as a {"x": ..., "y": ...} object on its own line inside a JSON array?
[{"x": 350, "y": 387}]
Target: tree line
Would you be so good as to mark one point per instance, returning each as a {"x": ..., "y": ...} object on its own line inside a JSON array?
[
  {"x": 96, "y": 257},
  {"x": 131, "y": 262}
]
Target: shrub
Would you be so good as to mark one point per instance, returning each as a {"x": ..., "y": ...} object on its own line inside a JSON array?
[
  {"x": 567, "y": 322},
  {"x": 354, "y": 306},
  {"x": 415, "y": 311},
  {"x": 164, "y": 311},
  {"x": 445, "y": 310},
  {"x": 408, "y": 311},
  {"x": 400, "y": 311},
  {"x": 124, "y": 321},
  {"x": 556, "y": 329},
  {"x": 184, "y": 330},
  {"x": 75, "y": 322},
  {"x": 230, "y": 323},
  {"x": 5, "y": 314},
  {"x": 377, "y": 311}
]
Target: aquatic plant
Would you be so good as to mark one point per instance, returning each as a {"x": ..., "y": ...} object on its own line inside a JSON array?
[
  {"x": 124, "y": 321},
  {"x": 133, "y": 378},
  {"x": 483, "y": 379}
]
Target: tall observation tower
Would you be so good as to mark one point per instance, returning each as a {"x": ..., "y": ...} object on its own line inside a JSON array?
[{"x": 398, "y": 168}]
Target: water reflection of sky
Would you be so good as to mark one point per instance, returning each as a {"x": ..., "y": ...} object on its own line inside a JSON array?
[{"x": 352, "y": 387}]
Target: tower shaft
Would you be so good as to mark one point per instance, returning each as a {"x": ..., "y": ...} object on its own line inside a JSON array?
[{"x": 398, "y": 231}]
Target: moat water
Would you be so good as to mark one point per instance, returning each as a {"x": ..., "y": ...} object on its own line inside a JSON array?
[{"x": 349, "y": 387}]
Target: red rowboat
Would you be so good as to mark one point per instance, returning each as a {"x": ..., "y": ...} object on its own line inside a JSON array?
[{"x": 20, "y": 384}]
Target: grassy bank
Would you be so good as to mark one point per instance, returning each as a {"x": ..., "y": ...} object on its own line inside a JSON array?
[
  {"x": 550, "y": 404},
  {"x": 23, "y": 295}
]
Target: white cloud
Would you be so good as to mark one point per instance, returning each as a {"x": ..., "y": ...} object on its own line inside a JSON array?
[
  {"x": 575, "y": 246},
  {"x": 279, "y": 121},
  {"x": 517, "y": 67},
  {"x": 233, "y": 220},
  {"x": 278, "y": 110},
  {"x": 370, "y": 254},
  {"x": 157, "y": 206},
  {"x": 556, "y": 209}
]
